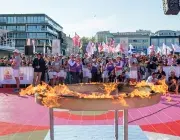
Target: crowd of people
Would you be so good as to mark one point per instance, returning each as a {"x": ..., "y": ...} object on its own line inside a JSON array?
[{"x": 58, "y": 69}]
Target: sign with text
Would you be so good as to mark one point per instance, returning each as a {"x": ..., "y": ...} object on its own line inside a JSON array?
[{"x": 56, "y": 46}]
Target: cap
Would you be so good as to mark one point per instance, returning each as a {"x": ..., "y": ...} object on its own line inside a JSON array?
[
  {"x": 39, "y": 53},
  {"x": 16, "y": 51}
]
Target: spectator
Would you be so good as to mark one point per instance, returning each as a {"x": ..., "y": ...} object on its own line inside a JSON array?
[{"x": 39, "y": 66}]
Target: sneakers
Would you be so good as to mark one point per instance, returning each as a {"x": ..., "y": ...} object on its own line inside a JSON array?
[{"x": 16, "y": 90}]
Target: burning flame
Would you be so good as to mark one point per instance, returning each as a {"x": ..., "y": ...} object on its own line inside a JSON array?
[{"x": 50, "y": 96}]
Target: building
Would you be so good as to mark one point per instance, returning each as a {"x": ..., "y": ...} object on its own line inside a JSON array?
[
  {"x": 167, "y": 37},
  {"x": 69, "y": 48},
  {"x": 39, "y": 27},
  {"x": 140, "y": 39},
  {"x": 102, "y": 36}
]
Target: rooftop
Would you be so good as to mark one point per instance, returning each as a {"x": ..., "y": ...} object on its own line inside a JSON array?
[{"x": 35, "y": 14}]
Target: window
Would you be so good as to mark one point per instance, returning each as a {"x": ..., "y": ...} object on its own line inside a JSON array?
[
  {"x": 3, "y": 27},
  {"x": 35, "y": 28},
  {"x": 20, "y": 28},
  {"x": 11, "y": 35},
  {"x": 11, "y": 28},
  {"x": 20, "y": 42},
  {"x": 3, "y": 19},
  {"x": 11, "y": 19},
  {"x": 30, "y": 19},
  {"x": 35, "y": 20},
  {"x": 41, "y": 42},
  {"x": 32, "y": 28},
  {"x": 41, "y": 35},
  {"x": 21, "y": 35},
  {"x": 21, "y": 19},
  {"x": 32, "y": 35},
  {"x": 135, "y": 40}
]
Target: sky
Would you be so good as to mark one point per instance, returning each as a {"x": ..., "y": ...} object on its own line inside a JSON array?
[{"x": 86, "y": 17}]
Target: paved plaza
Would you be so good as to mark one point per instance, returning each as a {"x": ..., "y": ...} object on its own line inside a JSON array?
[{"x": 22, "y": 119}]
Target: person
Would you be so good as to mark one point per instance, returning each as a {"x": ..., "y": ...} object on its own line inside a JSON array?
[
  {"x": 152, "y": 79},
  {"x": 118, "y": 66},
  {"x": 39, "y": 66},
  {"x": 72, "y": 69},
  {"x": 160, "y": 73},
  {"x": 133, "y": 63},
  {"x": 16, "y": 63},
  {"x": 56, "y": 69},
  {"x": 173, "y": 82}
]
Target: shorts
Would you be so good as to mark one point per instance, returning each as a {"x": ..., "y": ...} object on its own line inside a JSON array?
[
  {"x": 59, "y": 74},
  {"x": 16, "y": 72},
  {"x": 50, "y": 75},
  {"x": 119, "y": 72}
]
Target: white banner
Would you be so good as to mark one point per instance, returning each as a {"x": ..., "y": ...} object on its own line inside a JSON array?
[
  {"x": 56, "y": 46},
  {"x": 26, "y": 75},
  {"x": 124, "y": 45}
]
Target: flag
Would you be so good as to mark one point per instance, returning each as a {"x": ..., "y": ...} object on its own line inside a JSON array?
[
  {"x": 117, "y": 49},
  {"x": 34, "y": 46},
  {"x": 131, "y": 47},
  {"x": 105, "y": 47},
  {"x": 121, "y": 48},
  {"x": 100, "y": 47},
  {"x": 176, "y": 48},
  {"x": 28, "y": 42},
  {"x": 76, "y": 40},
  {"x": 44, "y": 49},
  {"x": 89, "y": 49},
  {"x": 112, "y": 42}
]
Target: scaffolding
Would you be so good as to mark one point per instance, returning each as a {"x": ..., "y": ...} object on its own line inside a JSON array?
[{"x": 7, "y": 41}]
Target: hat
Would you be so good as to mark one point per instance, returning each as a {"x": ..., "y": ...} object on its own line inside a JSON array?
[
  {"x": 118, "y": 56},
  {"x": 60, "y": 55},
  {"x": 16, "y": 51},
  {"x": 39, "y": 53}
]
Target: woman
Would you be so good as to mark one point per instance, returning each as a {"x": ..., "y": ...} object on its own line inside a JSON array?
[
  {"x": 110, "y": 66},
  {"x": 79, "y": 67},
  {"x": 160, "y": 73}
]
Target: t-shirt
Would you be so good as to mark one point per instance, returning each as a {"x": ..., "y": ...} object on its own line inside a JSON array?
[
  {"x": 160, "y": 74},
  {"x": 151, "y": 80},
  {"x": 17, "y": 61}
]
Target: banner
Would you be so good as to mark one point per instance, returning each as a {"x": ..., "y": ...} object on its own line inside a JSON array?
[
  {"x": 26, "y": 75},
  {"x": 56, "y": 46},
  {"x": 124, "y": 45}
]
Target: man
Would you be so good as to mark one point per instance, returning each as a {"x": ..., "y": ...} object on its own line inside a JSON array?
[
  {"x": 16, "y": 63},
  {"x": 39, "y": 65},
  {"x": 72, "y": 69},
  {"x": 152, "y": 79}
]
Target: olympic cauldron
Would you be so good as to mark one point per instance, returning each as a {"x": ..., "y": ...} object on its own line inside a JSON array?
[{"x": 98, "y": 97}]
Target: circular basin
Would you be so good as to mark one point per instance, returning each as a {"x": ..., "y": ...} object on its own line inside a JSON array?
[{"x": 75, "y": 103}]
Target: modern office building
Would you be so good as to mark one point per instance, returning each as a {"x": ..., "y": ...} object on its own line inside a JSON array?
[
  {"x": 140, "y": 39},
  {"x": 38, "y": 27},
  {"x": 168, "y": 37}
]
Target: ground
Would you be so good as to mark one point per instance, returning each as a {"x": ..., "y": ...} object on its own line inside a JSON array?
[{"x": 22, "y": 119}]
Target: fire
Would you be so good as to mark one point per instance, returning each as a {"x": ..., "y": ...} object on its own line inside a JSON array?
[{"x": 50, "y": 95}]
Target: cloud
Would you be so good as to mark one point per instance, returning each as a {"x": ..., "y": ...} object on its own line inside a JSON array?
[{"x": 90, "y": 26}]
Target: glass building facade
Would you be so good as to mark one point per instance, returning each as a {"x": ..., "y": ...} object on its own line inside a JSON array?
[{"x": 39, "y": 27}]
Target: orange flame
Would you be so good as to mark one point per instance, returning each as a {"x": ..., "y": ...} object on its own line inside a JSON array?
[{"x": 50, "y": 96}]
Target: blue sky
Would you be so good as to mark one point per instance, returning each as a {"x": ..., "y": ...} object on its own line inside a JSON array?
[{"x": 86, "y": 17}]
